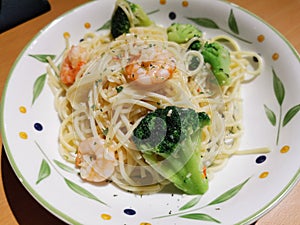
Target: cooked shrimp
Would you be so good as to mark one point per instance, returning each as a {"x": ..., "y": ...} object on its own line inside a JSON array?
[
  {"x": 76, "y": 57},
  {"x": 94, "y": 159},
  {"x": 157, "y": 70}
]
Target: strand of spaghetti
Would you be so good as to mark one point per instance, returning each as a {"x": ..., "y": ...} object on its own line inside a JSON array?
[
  {"x": 53, "y": 67},
  {"x": 261, "y": 150},
  {"x": 135, "y": 102},
  {"x": 234, "y": 44},
  {"x": 123, "y": 171},
  {"x": 124, "y": 138}
]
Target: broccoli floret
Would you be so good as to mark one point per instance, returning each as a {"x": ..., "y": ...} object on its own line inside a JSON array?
[
  {"x": 127, "y": 15},
  {"x": 182, "y": 33},
  {"x": 196, "y": 45},
  {"x": 170, "y": 140},
  {"x": 219, "y": 58},
  {"x": 120, "y": 23},
  {"x": 140, "y": 19}
]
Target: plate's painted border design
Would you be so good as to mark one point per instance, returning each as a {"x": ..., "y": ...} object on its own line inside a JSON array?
[
  {"x": 187, "y": 211},
  {"x": 39, "y": 84},
  {"x": 232, "y": 24},
  {"x": 45, "y": 171},
  {"x": 279, "y": 91}
]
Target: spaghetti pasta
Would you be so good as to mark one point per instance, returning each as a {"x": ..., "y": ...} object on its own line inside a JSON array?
[{"x": 103, "y": 102}]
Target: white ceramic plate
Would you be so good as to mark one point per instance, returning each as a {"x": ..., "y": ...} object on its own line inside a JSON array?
[{"x": 30, "y": 127}]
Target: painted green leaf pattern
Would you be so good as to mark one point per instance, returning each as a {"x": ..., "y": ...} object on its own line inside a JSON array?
[
  {"x": 278, "y": 88},
  {"x": 200, "y": 216},
  {"x": 64, "y": 167},
  {"x": 232, "y": 23},
  {"x": 105, "y": 26},
  {"x": 42, "y": 57},
  {"x": 81, "y": 191},
  {"x": 204, "y": 22},
  {"x": 38, "y": 87},
  {"x": 44, "y": 171},
  {"x": 188, "y": 210},
  {"x": 229, "y": 194},
  {"x": 209, "y": 23},
  {"x": 279, "y": 91},
  {"x": 191, "y": 203},
  {"x": 271, "y": 115},
  {"x": 290, "y": 114},
  {"x": 152, "y": 12}
]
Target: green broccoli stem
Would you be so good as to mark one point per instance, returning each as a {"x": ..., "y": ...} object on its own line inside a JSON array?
[
  {"x": 183, "y": 167},
  {"x": 170, "y": 142},
  {"x": 141, "y": 16},
  {"x": 191, "y": 178}
]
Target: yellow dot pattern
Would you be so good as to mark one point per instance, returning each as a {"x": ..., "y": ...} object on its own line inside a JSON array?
[
  {"x": 285, "y": 149},
  {"x": 185, "y": 3},
  {"x": 275, "y": 56},
  {"x": 105, "y": 216},
  {"x": 22, "y": 109},
  {"x": 264, "y": 174},
  {"x": 87, "y": 25},
  {"x": 23, "y": 135},
  {"x": 260, "y": 38},
  {"x": 67, "y": 35}
]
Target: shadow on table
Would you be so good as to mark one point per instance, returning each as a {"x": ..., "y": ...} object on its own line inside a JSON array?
[
  {"x": 24, "y": 207},
  {"x": 15, "y": 12}
]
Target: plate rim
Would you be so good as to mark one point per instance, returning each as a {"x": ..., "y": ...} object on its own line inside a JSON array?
[{"x": 66, "y": 218}]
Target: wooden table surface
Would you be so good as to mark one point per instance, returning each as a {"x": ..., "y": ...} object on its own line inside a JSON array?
[{"x": 16, "y": 204}]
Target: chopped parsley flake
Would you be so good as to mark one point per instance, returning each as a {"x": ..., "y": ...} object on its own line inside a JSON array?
[
  {"x": 93, "y": 107},
  {"x": 119, "y": 88},
  {"x": 105, "y": 131}
]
